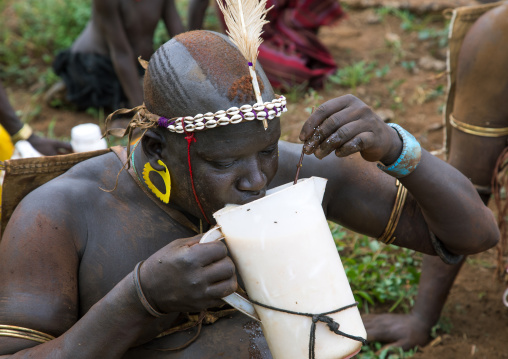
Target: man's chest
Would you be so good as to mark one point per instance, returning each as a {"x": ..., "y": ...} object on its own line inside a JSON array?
[{"x": 116, "y": 243}]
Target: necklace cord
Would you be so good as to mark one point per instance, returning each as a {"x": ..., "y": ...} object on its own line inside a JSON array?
[{"x": 190, "y": 138}]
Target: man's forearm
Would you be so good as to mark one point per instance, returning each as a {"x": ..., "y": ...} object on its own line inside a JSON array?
[
  {"x": 107, "y": 330},
  {"x": 8, "y": 118},
  {"x": 127, "y": 74},
  {"x": 446, "y": 198}
]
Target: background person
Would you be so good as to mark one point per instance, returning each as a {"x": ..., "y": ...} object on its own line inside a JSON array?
[
  {"x": 14, "y": 130},
  {"x": 101, "y": 68},
  {"x": 291, "y": 52},
  {"x": 481, "y": 90}
]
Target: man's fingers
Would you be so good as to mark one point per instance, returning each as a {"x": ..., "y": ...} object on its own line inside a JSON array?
[
  {"x": 359, "y": 143},
  {"x": 220, "y": 271},
  {"x": 222, "y": 289},
  {"x": 322, "y": 113},
  {"x": 342, "y": 135},
  {"x": 188, "y": 242},
  {"x": 206, "y": 253},
  {"x": 331, "y": 125}
]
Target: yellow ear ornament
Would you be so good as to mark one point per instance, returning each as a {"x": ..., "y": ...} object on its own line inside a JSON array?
[{"x": 164, "y": 197}]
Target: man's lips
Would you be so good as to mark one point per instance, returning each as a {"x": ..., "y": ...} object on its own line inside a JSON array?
[{"x": 251, "y": 196}]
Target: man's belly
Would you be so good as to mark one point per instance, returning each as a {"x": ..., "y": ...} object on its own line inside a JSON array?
[{"x": 234, "y": 337}]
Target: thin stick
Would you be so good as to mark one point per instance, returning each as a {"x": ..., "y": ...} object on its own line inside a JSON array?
[{"x": 299, "y": 165}]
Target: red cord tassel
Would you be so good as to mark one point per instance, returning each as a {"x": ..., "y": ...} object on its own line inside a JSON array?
[{"x": 190, "y": 138}]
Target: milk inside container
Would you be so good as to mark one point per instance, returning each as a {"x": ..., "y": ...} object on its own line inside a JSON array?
[{"x": 284, "y": 252}]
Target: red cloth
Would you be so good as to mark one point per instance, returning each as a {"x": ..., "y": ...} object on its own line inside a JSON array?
[{"x": 291, "y": 53}]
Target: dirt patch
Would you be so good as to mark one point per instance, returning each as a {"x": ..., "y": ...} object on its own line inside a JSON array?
[
  {"x": 478, "y": 318},
  {"x": 414, "y": 95}
]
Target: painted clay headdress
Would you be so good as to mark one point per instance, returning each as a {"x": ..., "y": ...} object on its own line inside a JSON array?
[{"x": 202, "y": 71}]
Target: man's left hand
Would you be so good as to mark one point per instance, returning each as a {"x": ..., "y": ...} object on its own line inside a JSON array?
[{"x": 347, "y": 125}]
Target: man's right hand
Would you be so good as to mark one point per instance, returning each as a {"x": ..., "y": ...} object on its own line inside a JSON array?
[
  {"x": 49, "y": 147},
  {"x": 188, "y": 276}
]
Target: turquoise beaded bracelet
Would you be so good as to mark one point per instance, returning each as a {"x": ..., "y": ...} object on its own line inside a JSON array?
[{"x": 409, "y": 157}]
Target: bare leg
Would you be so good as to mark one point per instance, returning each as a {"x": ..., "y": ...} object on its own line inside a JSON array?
[{"x": 197, "y": 10}]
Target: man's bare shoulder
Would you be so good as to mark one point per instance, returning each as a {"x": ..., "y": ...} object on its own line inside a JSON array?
[{"x": 74, "y": 190}]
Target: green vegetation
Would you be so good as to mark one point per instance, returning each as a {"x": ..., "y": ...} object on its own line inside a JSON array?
[
  {"x": 396, "y": 98},
  {"x": 359, "y": 73},
  {"x": 435, "y": 39},
  {"x": 34, "y": 31},
  {"x": 296, "y": 92},
  {"x": 409, "y": 21},
  {"x": 377, "y": 352},
  {"x": 356, "y": 74},
  {"x": 438, "y": 36},
  {"x": 409, "y": 66},
  {"x": 39, "y": 31},
  {"x": 380, "y": 275}
]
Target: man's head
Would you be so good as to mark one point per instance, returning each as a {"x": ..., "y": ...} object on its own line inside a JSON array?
[{"x": 201, "y": 72}]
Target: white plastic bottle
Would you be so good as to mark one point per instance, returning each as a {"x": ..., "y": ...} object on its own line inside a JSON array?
[{"x": 87, "y": 137}]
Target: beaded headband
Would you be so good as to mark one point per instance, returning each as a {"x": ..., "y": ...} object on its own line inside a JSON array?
[
  {"x": 144, "y": 119},
  {"x": 233, "y": 115}
]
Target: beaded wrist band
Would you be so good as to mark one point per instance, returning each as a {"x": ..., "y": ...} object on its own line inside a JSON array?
[
  {"x": 409, "y": 157},
  {"x": 141, "y": 295},
  {"x": 265, "y": 111},
  {"x": 23, "y": 134}
]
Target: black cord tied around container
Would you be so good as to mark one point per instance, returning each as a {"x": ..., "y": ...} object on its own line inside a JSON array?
[{"x": 323, "y": 318}]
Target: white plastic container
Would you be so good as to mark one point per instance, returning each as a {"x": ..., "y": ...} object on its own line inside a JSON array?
[
  {"x": 286, "y": 256},
  {"x": 87, "y": 137},
  {"x": 24, "y": 149}
]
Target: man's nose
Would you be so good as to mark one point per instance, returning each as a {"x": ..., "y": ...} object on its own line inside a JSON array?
[{"x": 253, "y": 178}]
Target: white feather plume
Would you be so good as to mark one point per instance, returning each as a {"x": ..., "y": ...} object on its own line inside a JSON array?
[{"x": 245, "y": 20}]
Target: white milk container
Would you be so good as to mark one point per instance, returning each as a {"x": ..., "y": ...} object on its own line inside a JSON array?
[
  {"x": 87, "y": 137},
  {"x": 283, "y": 249}
]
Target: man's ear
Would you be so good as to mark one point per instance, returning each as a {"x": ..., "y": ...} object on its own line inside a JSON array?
[{"x": 152, "y": 144}]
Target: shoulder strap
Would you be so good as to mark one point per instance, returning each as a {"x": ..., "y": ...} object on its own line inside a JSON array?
[
  {"x": 24, "y": 175},
  {"x": 121, "y": 152}
]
